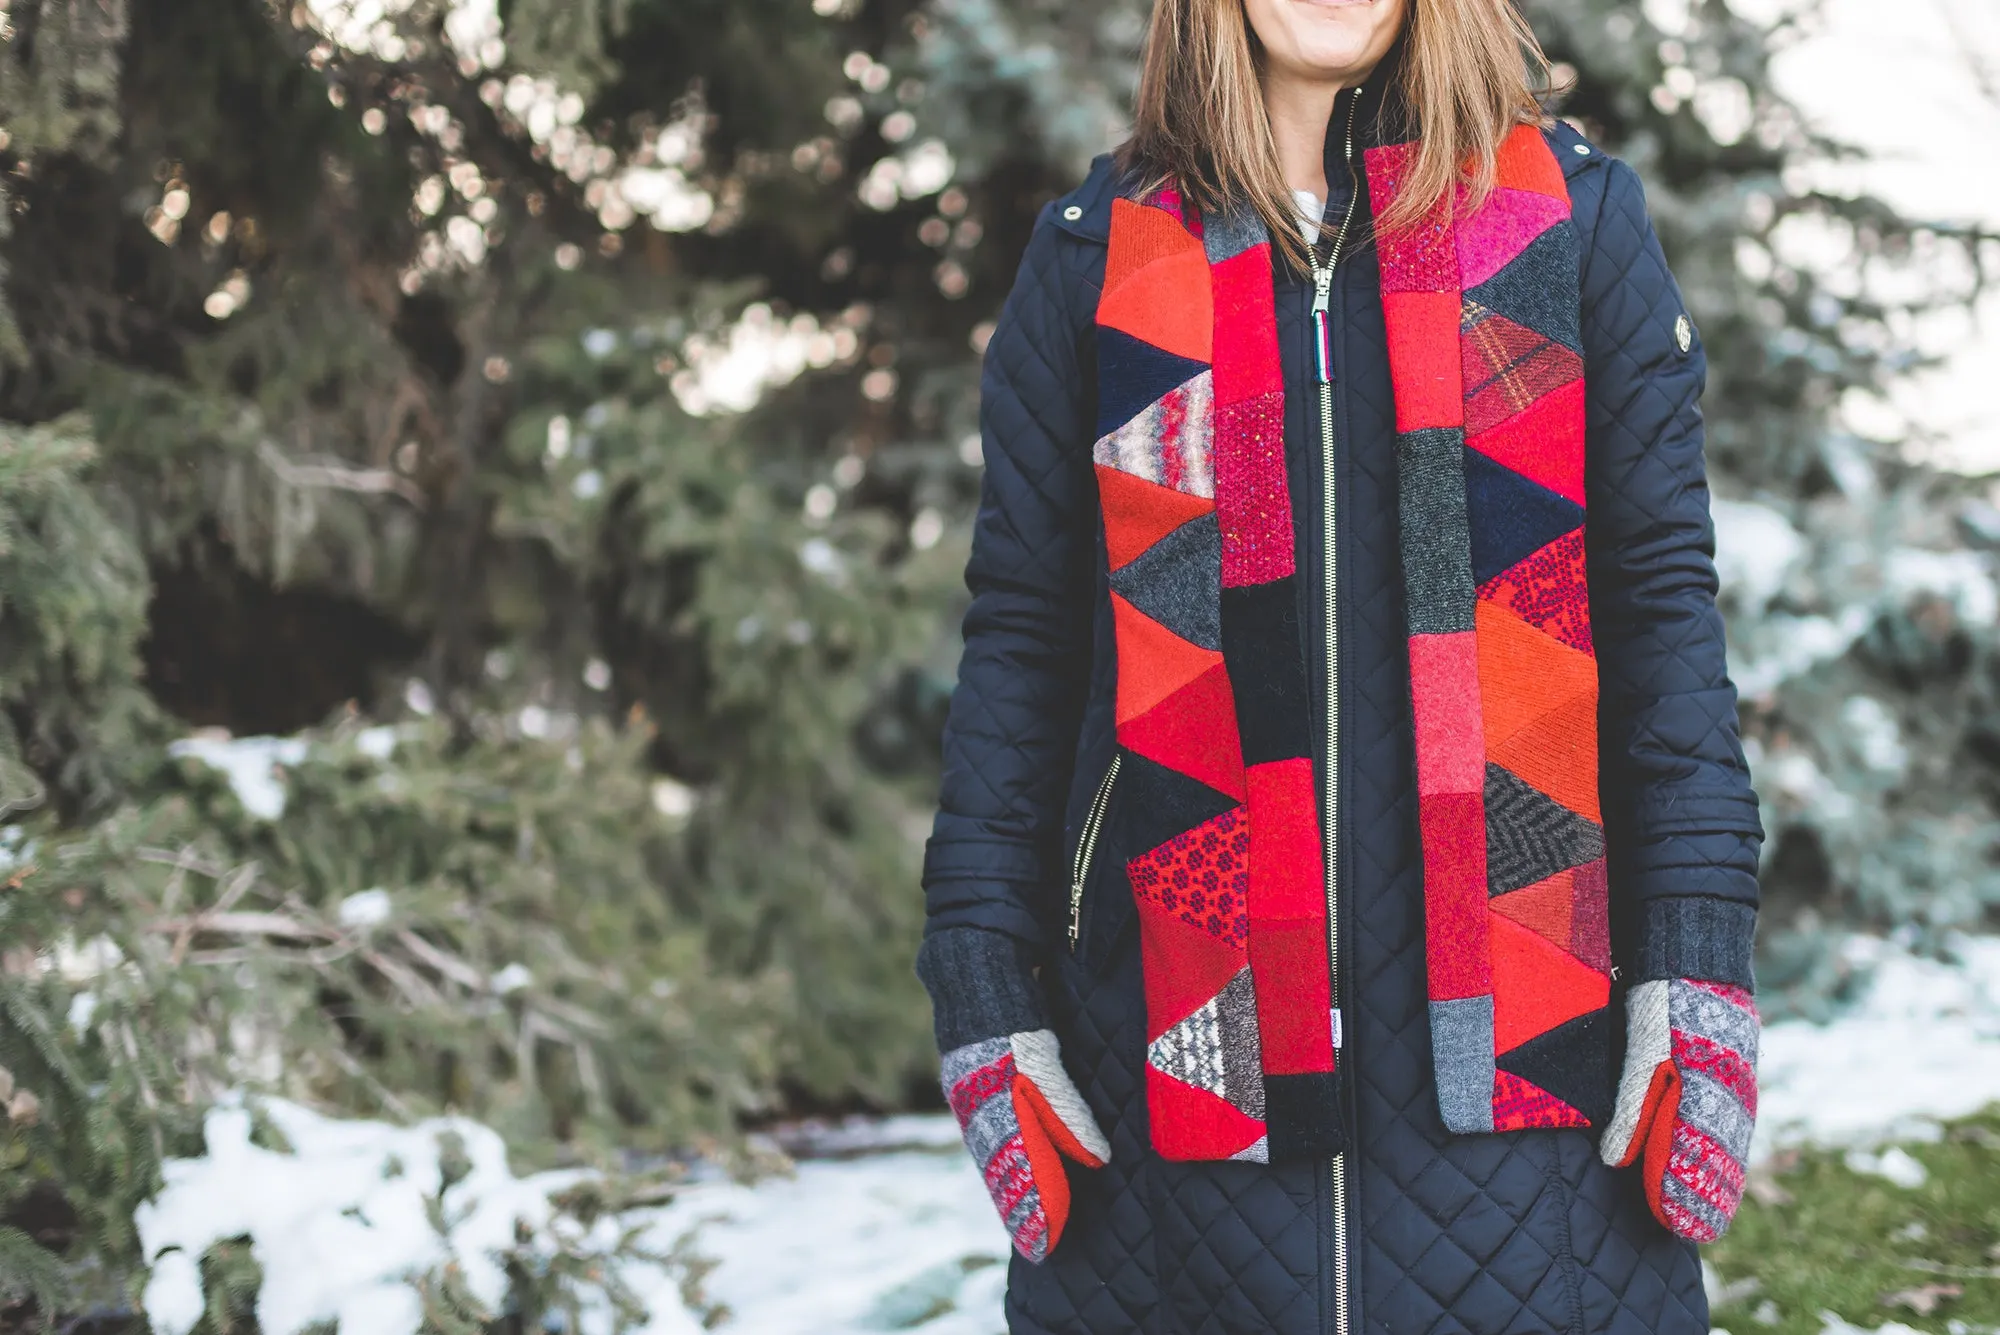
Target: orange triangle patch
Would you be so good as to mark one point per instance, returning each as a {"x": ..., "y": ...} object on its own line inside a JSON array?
[
  {"x": 1547, "y": 908},
  {"x": 1524, "y": 673},
  {"x": 1524, "y": 162},
  {"x": 1138, "y": 513},
  {"x": 1194, "y": 732},
  {"x": 1167, "y": 304},
  {"x": 1140, "y": 235},
  {"x": 1557, "y": 754},
  {"x": 1153, "y": 662},
  {"x": 1537, "y": 985}
]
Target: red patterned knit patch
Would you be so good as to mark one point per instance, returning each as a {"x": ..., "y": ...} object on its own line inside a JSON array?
[
  {"x": 1202, "y": 877},
  {"x": 1490, "y": 345},
  {"x": 1010, "y": 1177},
  {"x": 1521, "y": 1106},
  {"x": 970, "y": 1094},
  {"x": 1727, "y": 1068},
  {"x": 1707, "y": 1171},
  {"x": 1548, "y": 590}
]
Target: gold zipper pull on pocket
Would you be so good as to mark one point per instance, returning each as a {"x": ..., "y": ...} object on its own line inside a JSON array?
[{"x": 1086, "y": 847}]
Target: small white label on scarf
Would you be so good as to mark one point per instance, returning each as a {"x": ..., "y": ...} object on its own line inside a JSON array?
[{"x": 1336, "y": 1028}]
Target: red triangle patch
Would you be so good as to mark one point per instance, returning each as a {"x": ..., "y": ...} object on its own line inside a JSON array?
[
  {"x": 1537, "y": 985},
  {"x": 1520, "y": 1105},
  {"x": 1590, "y": 916},
  {"x": 1138, "y": 513},
  {"x": 1189, "y": 1123},
  {"x": 1153, "y": 662},
  {"x": 1549, "y": 590},
  {"x": 1194, "y": 732},
  {"x": 1166, "y": 303},
  {"x": 1544, "y": 908},
  {"x": 1185, "y": 966},
  {"x": 1542, "y": 442}
]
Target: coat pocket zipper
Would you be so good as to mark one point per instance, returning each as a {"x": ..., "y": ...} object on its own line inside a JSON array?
[{"x": 1086, "y": 847}]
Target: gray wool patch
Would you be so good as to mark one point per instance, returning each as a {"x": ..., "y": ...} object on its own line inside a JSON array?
[
  {"x": 1696, "y": 1010},
  {"x": 1178, "y": 582},
  {"x": 1228, "y": 235},
  {"x": 1462, "y": 1057},
  {"x": 1530, "y": 836},
  {"x": 1437, "y": 561},
  {"x": 1711, "y": 1108},
  {"x": 1242, "y": 1051}
]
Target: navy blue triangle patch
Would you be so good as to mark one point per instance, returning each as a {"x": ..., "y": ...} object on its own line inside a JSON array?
[
  {"x": 1132, "y": 375},
  {"x": 1510, "y": 518},
  {"x": 1156, "y": 803},
  {"x": 1538, "y": 288},
  {"x": 1572, "y": 1062}
]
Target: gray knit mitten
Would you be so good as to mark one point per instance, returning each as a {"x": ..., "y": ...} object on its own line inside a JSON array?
[{"x": 1018, "y": 1109}]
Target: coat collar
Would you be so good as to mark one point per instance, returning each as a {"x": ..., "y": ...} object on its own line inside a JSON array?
[{"x": 1384, "y": 117}]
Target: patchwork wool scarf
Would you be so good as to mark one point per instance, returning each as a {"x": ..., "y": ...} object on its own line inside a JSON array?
[{"x": 1216, "y": 788}]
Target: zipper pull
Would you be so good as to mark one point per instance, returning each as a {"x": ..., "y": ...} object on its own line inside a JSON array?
[{"x": 1322, "y": 325}]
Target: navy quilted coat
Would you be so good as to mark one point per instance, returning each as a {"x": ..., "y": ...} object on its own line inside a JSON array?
[{"x": 1491, "y": 1235}]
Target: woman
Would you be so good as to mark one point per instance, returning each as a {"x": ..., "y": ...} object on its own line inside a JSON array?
[{"x": 1342, "y": 898}]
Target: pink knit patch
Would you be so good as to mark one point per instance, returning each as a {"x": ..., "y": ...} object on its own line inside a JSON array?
[
  {"x": 1253, "y": 503},
  {"x": 1492, "y": 238},
  {"x": 1444, "y": 695}
]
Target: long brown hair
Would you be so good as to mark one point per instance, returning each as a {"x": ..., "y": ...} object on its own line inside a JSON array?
[{"x": 1201, "y": 123}]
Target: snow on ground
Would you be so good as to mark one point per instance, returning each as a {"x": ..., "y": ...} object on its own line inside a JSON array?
[
  {"x": 339, "y": 1217},
  {"x": 884, "y": 1226},
  {"x": 1921, "y": 1043},
  {"x": 899, "y": 1241}
]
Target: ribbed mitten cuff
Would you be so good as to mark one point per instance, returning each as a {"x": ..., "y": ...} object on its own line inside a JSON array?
[
  {"x": 1703, "y": 938},
  {"x": 982, "y": 985}
]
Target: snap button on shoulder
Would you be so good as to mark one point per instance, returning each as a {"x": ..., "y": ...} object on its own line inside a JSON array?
[
  {"x": 1072, "y": 213},
  {"x": 1581, "y": 150},
  {"x": 1684, "y": 333}
]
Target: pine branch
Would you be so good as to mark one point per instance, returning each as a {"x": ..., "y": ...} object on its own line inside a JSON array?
[{"x": 29, "y": 1273}]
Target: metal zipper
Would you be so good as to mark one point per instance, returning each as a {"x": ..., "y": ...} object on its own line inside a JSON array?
[
  {"x": 1086, "y": 846},
  {"x": 1323, "y": 366}
]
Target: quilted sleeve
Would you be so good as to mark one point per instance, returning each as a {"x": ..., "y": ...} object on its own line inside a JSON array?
[
  {"x": 1680, "y": 817},
  {"x": 1010, "y": 736}
]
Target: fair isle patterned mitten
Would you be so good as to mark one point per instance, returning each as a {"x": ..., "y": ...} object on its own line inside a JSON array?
[
  {"x": 1003, "y": 1075},
  {"x": 1020, "y": 1114},
  {"x": 1687, "y": 1101}
]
